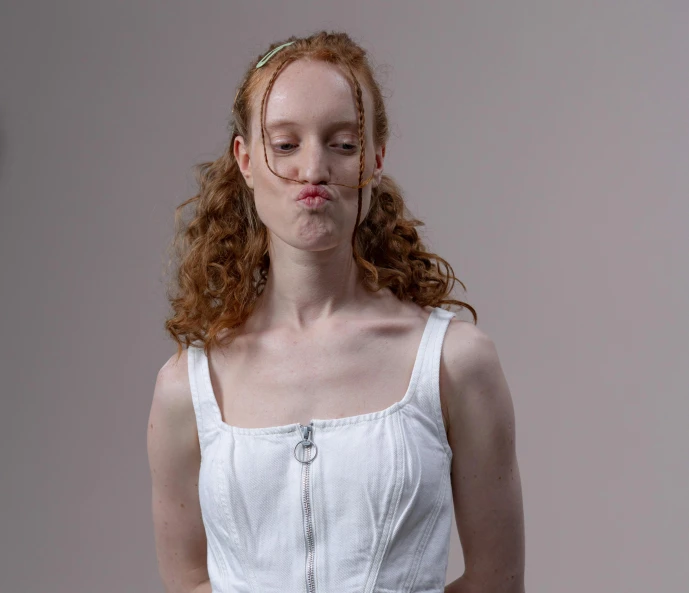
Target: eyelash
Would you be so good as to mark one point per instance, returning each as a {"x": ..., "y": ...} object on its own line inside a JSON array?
[{"x": 352, "y": 149}]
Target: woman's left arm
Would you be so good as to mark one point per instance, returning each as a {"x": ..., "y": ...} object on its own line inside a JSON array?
[{"x": 486, "y": 486}]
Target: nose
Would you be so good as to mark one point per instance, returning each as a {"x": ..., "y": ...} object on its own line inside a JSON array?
[{"x": 314, "y": 166}]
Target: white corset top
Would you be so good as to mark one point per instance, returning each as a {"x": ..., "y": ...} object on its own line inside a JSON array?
[{"x": 359, "y": 504}]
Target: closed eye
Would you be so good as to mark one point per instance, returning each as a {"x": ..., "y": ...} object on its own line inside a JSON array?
[{"x": 287, "y": 146}]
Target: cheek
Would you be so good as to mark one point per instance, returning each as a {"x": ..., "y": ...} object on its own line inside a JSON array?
[{"x": 270, "y": 209}]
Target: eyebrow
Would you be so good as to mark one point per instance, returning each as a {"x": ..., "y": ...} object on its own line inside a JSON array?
[{"x": 286, "y": 123}]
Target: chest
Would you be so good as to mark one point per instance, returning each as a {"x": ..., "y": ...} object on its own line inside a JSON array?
[{"x": 348, "y": 371}]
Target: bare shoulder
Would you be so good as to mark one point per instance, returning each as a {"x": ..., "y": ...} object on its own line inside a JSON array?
[
  {"x": 172, "y": 381},
  {"x": 467, "y": 349},
  {"x": 471, "y": 369},
  {"x": 172, "y": 403}
]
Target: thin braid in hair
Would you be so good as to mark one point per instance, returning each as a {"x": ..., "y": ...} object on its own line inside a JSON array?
[{"x": 362, "y": 137}]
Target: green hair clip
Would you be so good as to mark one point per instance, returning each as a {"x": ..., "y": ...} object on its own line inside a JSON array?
[
  {"x": 262, "y": 62},
  {"x": 271, "y": 53}
]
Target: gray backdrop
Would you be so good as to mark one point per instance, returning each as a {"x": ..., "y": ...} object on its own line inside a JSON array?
[{"x": 545, "y": 144}]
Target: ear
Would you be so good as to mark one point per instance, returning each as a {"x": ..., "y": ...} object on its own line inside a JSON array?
[
  {"x": 243, "y": 159},
  {"x": 378, "y": 170}
]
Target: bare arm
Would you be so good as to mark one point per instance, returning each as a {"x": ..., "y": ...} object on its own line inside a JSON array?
[
  {"x": 174, "y": 460},
  {"x": 485, "y": 477}
]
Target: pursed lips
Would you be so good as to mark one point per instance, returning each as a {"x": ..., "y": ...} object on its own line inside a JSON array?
[{"x": 314, "y": 190}]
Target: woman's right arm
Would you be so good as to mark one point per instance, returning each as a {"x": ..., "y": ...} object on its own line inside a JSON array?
[{"x": 174, "y": 458}]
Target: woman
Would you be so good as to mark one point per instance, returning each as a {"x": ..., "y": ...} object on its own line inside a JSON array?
[{"x": 328, "y": 413}]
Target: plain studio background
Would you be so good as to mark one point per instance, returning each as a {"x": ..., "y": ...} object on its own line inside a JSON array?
[{"x": 546, "y": 146}]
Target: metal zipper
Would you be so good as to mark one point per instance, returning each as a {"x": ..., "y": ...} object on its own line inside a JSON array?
[{"x": 307, "y": 446}]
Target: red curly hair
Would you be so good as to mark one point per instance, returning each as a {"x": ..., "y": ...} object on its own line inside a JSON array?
[{"x": 221, "y": 254}]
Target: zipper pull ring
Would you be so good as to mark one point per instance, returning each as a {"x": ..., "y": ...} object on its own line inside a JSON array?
[{"x": 306, "y": 443}]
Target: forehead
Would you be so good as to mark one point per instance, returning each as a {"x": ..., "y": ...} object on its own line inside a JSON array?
[{"x": 310, "y": 93}]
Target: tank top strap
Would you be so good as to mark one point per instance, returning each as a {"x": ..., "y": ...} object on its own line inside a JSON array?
[
  {"x": 427, "y": 389},
  {"x": 208, "y": 417}
]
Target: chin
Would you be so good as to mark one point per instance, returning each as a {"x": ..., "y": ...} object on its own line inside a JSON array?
[
  {"x": 315, "y": 242},
  {"x": 315, "y": 245},
  {"x": 312, "y": 235},
  {"x": 317, "y": 235}
]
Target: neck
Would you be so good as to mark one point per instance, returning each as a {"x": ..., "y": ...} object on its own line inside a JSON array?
[{"x": 304, "y": 287}]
